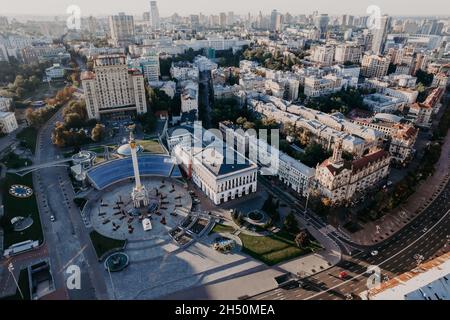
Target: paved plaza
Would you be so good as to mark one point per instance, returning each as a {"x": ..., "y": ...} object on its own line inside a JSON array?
[{"x": 113, "y": 215}]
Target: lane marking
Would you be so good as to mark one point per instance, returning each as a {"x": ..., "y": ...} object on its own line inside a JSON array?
[{"x": 401, "y": 251}]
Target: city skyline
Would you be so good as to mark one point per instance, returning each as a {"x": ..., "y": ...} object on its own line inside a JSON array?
[{"x": 167, "y": 8}]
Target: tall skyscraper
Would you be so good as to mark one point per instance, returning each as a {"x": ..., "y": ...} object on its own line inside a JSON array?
[
  {"x": 122, "y": 29},
  {"x": 321, "y": 23},
  {"x": 154, "y": 15},
  {"x": 380, "y": 35},
  {"x": 223, "y": 19},
  {"x": 275, "y": 21}
]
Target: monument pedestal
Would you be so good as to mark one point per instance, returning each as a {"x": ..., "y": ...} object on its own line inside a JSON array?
[{"x": 140, "y": 197}]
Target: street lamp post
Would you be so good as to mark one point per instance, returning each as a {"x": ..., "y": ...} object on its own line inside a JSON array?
[{"x": 11, "y": 269}]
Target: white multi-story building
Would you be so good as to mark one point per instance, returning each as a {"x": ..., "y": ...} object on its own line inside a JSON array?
[
  {"x": 248, "y": 66},
  {"x": 154, "y": 15},
  {"x": 122, "y": 29},
  {"x": 316, "y": 87},
  {"x": 440, "y": 80},
  {"x": 380, "y": 34},
  {"x": 221, "y": 172},
  {"x": 403, "y": 80},
  {"x": 348, "y": 52},
  {"x": 324, "y": 129},
  {"x": 3, "y": 53},
  {"x": 189, "y": 96},
  {"x": 5, "y": 103},
  {"x": 295, "y": 174},
  {"x": 350, "y": 73},
  {"x": 401, "y": 147},
  {"x": 409, "y": 96},
  {"x": 204, "y": 64},
  {"x": 341, "y": 181},
  {"x": 252, "y": 82},
  {"x": 374, "y": 66},
  {"x": 55, "y": 72},
  {"x": 113, "y": 87},
  {"x": 184, "y": 71},
  {"x": 274, "y": 88},
  {"x": 323, "y": 55},
  {"x": 228, "y": 92},
  {"x": 382, "y": 103},
  {"x": 290, "y": 171},
  {"x": 8, "y": 122},
  {"x": 149, "y": 65}
]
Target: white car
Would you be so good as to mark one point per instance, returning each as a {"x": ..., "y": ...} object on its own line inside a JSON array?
[
  {"x": 52, "y": 218},
  {"x": 374, "y": 253}
]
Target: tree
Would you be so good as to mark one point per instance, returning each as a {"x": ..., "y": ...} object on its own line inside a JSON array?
[
  {"x": 424, "y": 77},
  {"x": 291, "y": 223},
  {"x": 73, "y": 120},
  {"x": 241, "y": 120},
  {"x": 314, "y": 154},
  {"x": 58, "y": 135},
  {"x": 302, "y": 239},
  {"x": 98, "y": 132}
]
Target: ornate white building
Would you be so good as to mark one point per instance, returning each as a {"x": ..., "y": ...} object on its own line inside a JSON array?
[
  {"x": 219, "y": 171},
  {"x": 341, "y": 181}
]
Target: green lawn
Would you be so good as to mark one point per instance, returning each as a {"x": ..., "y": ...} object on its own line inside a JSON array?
[
  {"x": 104, "y": 244},
  {"x": 28, "y": 138},
  {"x": 99, "y": 149},
  {"x": 151, "y": 146},
  {"x": 13, "y": 161},
  {"x": 272, "y": 249},
  {"x": 24, "y": 285},
  {"x": 20, "y": 207},
  {"x": 221, "y": 228}
]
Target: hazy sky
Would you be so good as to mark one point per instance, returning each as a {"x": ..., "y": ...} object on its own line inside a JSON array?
[{"x": 184, "y": 7}]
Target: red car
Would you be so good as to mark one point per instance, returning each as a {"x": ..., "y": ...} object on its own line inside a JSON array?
[{"x": 343, "y": 275}]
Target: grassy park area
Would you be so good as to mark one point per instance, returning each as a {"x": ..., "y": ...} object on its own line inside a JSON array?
[
  {"x": 151, "y": 146},
  {"x": 13, "y": 161},
  {"x": 274, "y": 248},
  {"x": 28, "y": 138},
  {"x": 221, "y": 228},
  {"x": 104, "y": 244},
  {"x": 24, "y": 207}
]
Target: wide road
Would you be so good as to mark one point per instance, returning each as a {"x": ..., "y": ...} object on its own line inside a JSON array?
[
  {"x": 424, "y": 238},
  {"x": 67, "y": 238}
]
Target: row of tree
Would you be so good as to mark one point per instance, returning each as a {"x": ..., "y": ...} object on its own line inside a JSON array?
[
  {"x": 276, "y": 61},
  {"x": 342, "y": 101},
  {"x": 10, "y": 70}
]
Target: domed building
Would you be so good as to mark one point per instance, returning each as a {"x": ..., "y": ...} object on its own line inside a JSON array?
[{"x": 125, "y": 150}]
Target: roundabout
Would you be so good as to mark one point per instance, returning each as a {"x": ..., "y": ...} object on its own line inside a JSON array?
[{"x": 112, "y": 212}]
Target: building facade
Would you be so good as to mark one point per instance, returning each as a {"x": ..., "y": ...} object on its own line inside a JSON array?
[
  {"x": 8, "y": 122},
  {"x": 113, "y": 87},
  {"x": 122, "y": 29},
  {"x": 342, "y": 181}
]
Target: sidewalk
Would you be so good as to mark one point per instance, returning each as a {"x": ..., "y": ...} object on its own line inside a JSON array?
[
  {"x": 388, "y": 225},
  {"x": 251, "y": 278}
]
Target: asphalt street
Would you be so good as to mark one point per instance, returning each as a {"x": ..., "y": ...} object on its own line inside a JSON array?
[{"x": 424, "y": 238}]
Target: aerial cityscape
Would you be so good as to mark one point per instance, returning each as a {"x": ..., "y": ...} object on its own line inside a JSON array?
[{"x": 166, "y": 150}]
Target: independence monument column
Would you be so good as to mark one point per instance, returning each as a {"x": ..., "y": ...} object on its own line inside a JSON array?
[{"x": 139, "y": 193}]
